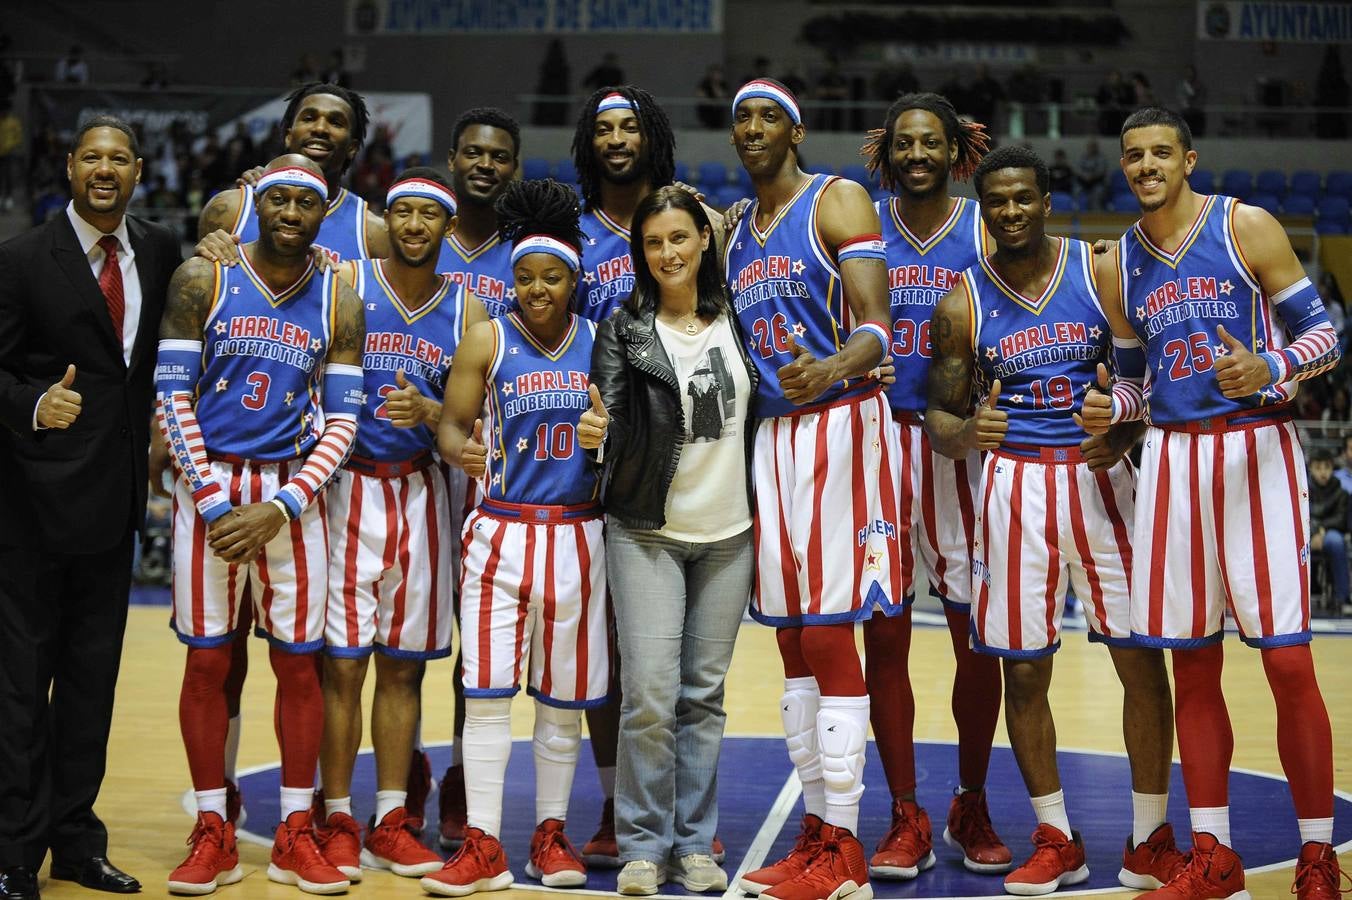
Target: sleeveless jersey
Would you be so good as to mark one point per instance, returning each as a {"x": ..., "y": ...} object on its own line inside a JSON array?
[
  {"x": 784, "y": 282},
  {"x": 607, "y": 267},
  {"x": 258, "y": 397},
  {"x": 1176, "y": 300},
  {"x": 485, "y": 271},
  {"x": 1045, "y": 351},
  {"x": 342, "y": 233},
  {"x": 534, "y": 397},
  {"x": 421, "y": 342},
  {"x": 919, "y": 273}
]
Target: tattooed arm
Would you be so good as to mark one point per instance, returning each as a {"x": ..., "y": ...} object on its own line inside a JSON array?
[{"x": 953, "y": 427}]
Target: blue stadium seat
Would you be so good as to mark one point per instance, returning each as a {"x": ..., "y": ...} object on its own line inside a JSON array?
[
  {"x": 820, "y": 169},
  {"x": 1298, "y": 205},
  {"x": 1117, "y": 183},
  {"x": 742, "y": 179},
  {"x": 1322, "y": 226},
  {"x": 1333, "y": 211},
  {"x": 564, "y": 170},
  {"x": 711, "y": 175},
  {"x": 1237, "y": 183},
  {"x": 1063, "y": 202},
  {"x": 1270, "y": 181},
  {"x": 1339, "y": 184},
  {"x": 1124, "y": 202},
  {"x": 1269, "y": 202},
  {"x": 726, "y": 196},
  {"x": 535, "y": 168},
  {"x": 1306, "y": 183},
  {"x": 681, "y": 173},
  {"x": 857, "y": 172},
  {"x": 878, "y": 193},
  {"x": 1203, "y": 181}
]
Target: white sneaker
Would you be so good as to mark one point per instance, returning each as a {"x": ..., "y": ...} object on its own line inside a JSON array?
[
  {"x": 641, "y": 878},
  {"x": 699, "y": 873}
]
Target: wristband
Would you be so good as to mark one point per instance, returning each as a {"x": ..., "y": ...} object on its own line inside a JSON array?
[
  {"x": 878, "y": 331},
  {"x": 286, "y": 513}
]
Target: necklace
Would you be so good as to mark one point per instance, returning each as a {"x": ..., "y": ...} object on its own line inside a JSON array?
[{"x": 691, "y": 328}]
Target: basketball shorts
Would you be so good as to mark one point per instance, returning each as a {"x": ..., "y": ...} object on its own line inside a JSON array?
[
  {"x": 1045, "y": 522},
  {"x": 390, "y": 577},
  {"x": 286, "y": 583},
  {"x": 1224, "y": 522},
  {"x": 827, "y": 535},
  {"x": 534, "y": 578}
]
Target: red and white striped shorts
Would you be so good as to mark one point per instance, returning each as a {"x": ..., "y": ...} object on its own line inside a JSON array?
[
  {"x": 288, "y": 580},
  {"x": 827, "y": 537},
  {"x": 535, "y": 577},
  {"x": 390, "y": 577},
  {"x": 1043, "y": 525},
  {"x": 936, "y": 512},
  {"x": 1224, "y": 521}
]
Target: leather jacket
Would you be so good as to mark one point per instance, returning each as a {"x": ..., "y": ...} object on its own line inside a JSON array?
[{"x": 641, "y": 393}]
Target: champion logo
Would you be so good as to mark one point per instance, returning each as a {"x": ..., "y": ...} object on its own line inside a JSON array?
[
  {"x": 370, "y": 306},
  {"x": 1136, "y": 271},
  {"x": 234, "y": 289}
]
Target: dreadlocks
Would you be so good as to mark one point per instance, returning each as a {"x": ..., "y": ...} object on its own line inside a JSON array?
[
  {"x": 354, "y": 101},
  {"x": 658, "y": 141},
  {"x": 971, "y": 137},
  {"x": 542, "y": 206}
]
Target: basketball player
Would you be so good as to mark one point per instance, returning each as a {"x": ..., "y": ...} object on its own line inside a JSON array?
[
  {"x": 931, "y": 239},
  {"x": 1230, "y": 323},
  {"x": 826, "y": 535},
  {"x": 533, "y": 576},
  {"x": 1024, "y": 330},
  {"x": 259, "y": 386},
  {"x": 390, "y": 565}
]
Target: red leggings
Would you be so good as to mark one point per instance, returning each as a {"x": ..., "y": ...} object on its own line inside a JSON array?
[{"x": 826, "y": 653}]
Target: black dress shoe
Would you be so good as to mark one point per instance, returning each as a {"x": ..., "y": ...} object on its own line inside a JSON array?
[
  {"x": 95, "y": 873},
  {"x": 19, "y": 883}
]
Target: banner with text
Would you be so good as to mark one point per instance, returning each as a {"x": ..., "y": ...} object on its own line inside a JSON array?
[
  {"x": 1295, "y": 22},
  {"x": 388, "y": 17}
]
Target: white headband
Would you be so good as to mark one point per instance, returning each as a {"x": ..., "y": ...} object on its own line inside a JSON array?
[
  {"x": 615, "y": 101},
  {"x": 543, "y": 243},
  {"x": 296, "y": 177},
  {"x": 768, "y": 91},
  {"x": 421, "y": 187}
]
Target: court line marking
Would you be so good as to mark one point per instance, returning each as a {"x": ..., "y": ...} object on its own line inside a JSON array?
[{"x": 767, "y": 833}]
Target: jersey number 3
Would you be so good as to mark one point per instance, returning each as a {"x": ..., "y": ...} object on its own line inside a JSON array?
[{"x": 257, "y": 398}]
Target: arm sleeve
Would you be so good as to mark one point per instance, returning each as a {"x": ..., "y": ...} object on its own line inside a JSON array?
[
  {"x": 342, "y": 401},
  {"x": 1128, "y": 390},
  {"x": 177, "y": 370},
  {"x": 1315, "y": 347}
]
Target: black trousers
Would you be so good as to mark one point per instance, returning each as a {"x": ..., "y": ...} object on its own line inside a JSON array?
[{"x": 62, "y": 618}]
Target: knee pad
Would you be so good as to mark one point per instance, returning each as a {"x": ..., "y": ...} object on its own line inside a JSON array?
[
  {"x": 798, "y": 709},
  {"x": 558, "y": 733},
  {"x": 842, "y": 738},
  {"x": 488, "y": 709}
]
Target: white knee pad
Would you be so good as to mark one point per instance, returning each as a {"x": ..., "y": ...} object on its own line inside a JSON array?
[
  {"x": 558, "y": 733},
  {"x": 842, "y": 738},
  {"x": 488, "y": 710},
  {"x": 798, "y": 709}
]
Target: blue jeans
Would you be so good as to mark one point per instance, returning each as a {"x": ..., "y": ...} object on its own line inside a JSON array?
[
  {"x": 1335, "y": 548},
  {"x": 677, "y": 610}
]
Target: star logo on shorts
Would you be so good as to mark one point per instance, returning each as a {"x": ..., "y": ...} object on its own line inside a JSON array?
[
  {"x": 1096, "y": 332},
  {"x": 220, "y": 327},
  {"x": 521, "y": 445},
  {"x": 506, "y": 389},
  {"x": 990, "y": 353},
  {"x": 1227, "y": 286},
  {"x": 872, "y": 561},
  {"x": 798, "y": 267},
  {"x": 290, "y": 396},
  {"x": 221, "y": 385},
  {"x": 799, "y": 329},
  {"x": 589, "y": 278},
  {"x": 316, "y": 345},
  {"x": 1140, "y": 312}
]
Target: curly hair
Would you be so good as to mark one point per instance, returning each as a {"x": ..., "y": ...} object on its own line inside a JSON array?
[
  {"x": 654, "y": 126},
  {"x": 1013, "y": 157},
  {"x": 355, "y": 102},
  {"x": 541, "y": 206},
  {"x": 971, "y": 137}
]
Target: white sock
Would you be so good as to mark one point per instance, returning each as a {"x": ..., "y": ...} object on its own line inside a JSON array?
[
  {"x": 214, "y": 801},
  {"x": 606, "y": 775},
  {"x": 1148, "y": 812},
  {"x": 798, "y": 710},
  {"x": 488, "y": 746},
  {"x": 842, "y": 736},
  {"x": 556, "y": 742},
  {"x": 337, "y": 805},
  {"x": 387, "y": 802},
  {"x": 1318, "y": 830},
  {"x": 296, "y": 800},
  {"x": 1050, "y": 809},
  {"x": 232, "y": 750},
  {"x": 1214, "y": 820}
]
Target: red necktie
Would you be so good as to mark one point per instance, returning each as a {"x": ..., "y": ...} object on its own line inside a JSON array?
[{"x": 110, "y": 282}]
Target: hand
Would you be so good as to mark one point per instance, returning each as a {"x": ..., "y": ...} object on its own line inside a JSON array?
[
  {"x": 690, "y": 189},
  {"x": 1102, "y": 451},
  {"x": 324, "y": 261},
  {"x": 159, "y": 463},
  {"x": 805, "y": 378},
  {"x": 220, "y": 247},
  {"x": 60, "y": 406},
  {"x": 237, "y": 536},
  {"x": 1103, "y": 246},
  {"x": 987, "y": 427},
  {"x": 1239, "y": 372},
  {"x": 1317, "y": 541},
  {"x": 733, "y": 214},
  {"x": 474, "y": 455},
  {"x": 250, "y": 177},
  {"x": 886, "y": 372},
  {"x": 1097, "y": 412},
  {"x": 406, "y": 407},
  {"x": 592, "y": 424}
]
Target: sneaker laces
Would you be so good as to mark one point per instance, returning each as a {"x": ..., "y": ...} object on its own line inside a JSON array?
[
  {"x": 301, "y": 841},
  {"x": 902, "y": 824},
  {"x": 469, "y": 848},
  {"x": 214, "y": 839},
  {"x": 974, "y": 818},
  {"x": 560, "y": 840},
  {"x": 1325, "y": 870},
  {"x": 1044, "y": 845},
  {"x": 1192, "y": 880},
  {"x": 697, "y": 860}
]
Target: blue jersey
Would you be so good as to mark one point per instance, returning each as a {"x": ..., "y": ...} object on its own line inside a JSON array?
[
  {"x": 1045, "y": 351},
  {"x": 1176, "y": 300},
  {"x": 258, "y": 397},
  {"x": 919, "y": 273},
  {"x": 485, "y": 271},
  {"x": 342, "y": 233},
  {"x": 784, "y": 283},
  {"x": 534, "y": 397},
  {"x": 607, "y": 267},
  {"x": 421, "y": 342}
]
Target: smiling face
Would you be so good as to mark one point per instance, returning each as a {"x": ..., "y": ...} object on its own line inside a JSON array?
[
  {"x": 617, "y": 141},
  {"x": 288, "y": 219},
  {"x": 672, "y": 248},
  {"x": 1156, "y": 165},
  {"x": 1013, "y": 209},
  {"x": 544, "y": 289},
  {"x": 920, "y": 153},
  {"x": 482, "y": 164},
  {"x": 416, "y": 227},
  {"x": 763, "y": 135},
  {"x": 322, "y": 131},
  {"x": 103, "y": 172}
]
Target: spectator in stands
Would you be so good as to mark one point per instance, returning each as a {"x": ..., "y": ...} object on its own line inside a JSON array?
[
  {"x": 713, "y": 86},
  {"x": 1062, "y": 175},
  {"x": 11, "y": 156},
  {"x": 1331, "y": 90},
  {"x": 1091, "y": 173},
  {"x": 553, "y": 83},
  {"x": 982, "y": 96},
  {"x": 72, "y": 68},
  {"x": 1338, "y": 407},
  {"x": 160, "y": 195},
  {"x": 306, "y": 71},
  {"x": 760, "y": 68},
  {"x": 607, "y": 74},
  {"x": 240, "y": 155},
  {"x": 1328, "y": 522},
  {"x": 889, "y": 83},
  {"x": 1344, "y": 471},
  {"x": 336, "y": 73},
  {"x": 1191, "y": 97},
  {"x": 832, "y": 88},
  {"x": 1142, "y": 93},
  {"x": 1114, "y": 98}
]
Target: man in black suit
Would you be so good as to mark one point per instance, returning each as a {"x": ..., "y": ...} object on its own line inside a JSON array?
[{"x": 80, "y": 304}]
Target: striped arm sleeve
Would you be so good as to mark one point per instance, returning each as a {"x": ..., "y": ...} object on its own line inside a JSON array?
[
  {"x": 1315, "y": 348},
  {"x": 1128, "y": 389},
  {"x": 342, "y": 401},
  {"x": 177, "y": 369}
]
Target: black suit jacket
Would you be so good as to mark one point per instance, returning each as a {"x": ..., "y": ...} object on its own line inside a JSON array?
[{"x": 76, "y": 490}]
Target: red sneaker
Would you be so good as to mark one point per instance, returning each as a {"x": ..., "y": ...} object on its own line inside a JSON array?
[
  {"x": 1318, "y": 876},
  {"x": 603, "y": 851},
  {"x": 212, "y": 861},
  {"x": 419, "y": 788},
  {"x": 837, "y": 871},
  {"x": 720, "y": 853},
  {"x": 804, "y": 848},
  {"x": 395, "y": 845},
  {"x": 1057, "y": 860},
  {"x": 296, "y": 859},
  {"x": 970, "y": 830},
  {"x": 234, "y": 805},
  {"x": 908, "y": 847},
  {"x": 479, "y": 865},
  {"x": 451, "y": 806},
  {"x": 339, "y": 839},
  {"x": 553, "y": 858},
  {"x": 1212, "y": 871},
  {"x": 1152, "y": 863}
]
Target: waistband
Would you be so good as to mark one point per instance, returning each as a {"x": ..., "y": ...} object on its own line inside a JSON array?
[
  {"x": 858, "y": 394},
  {"x": 907, "y": 417},
  {"x": 376, "y": 469},
  {"x": 234, "y": 460},
  {"x": 540, "y": 515},
  {"x": 1050, "y": 455},
  {"x": 1239, "y": 420}
]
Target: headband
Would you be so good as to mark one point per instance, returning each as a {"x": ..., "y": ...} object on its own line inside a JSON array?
[
  {"x": 421, "y": 187},
  {"x": 615, "y": 100},
  {"x": 543, "y": 243},
  {"x": 296, "y": 177},
  {"x": 768, "y": 91}
]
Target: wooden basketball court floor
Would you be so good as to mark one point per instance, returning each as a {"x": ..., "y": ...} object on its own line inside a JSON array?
[{"x": 147, "y": 771}]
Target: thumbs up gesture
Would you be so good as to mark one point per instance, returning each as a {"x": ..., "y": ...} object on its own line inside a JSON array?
[
  {"x": 592, "y": 424},
  {"x": 804, "y": 378},
  {"x": 60, "y": 406},
  {"x": 1239, "y": 371},
  {"x": 987, "y": 427},
  {"x": 473, "y": 454},
  {"x": 406, "y": 406},
  {"x": 1097, "y": 412}
]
